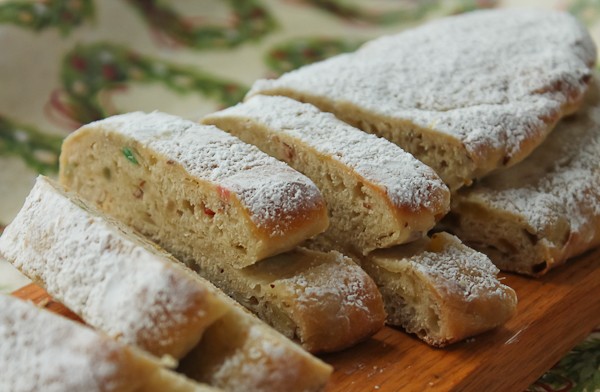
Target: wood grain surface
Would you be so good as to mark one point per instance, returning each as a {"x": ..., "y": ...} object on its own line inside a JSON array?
[{"x": 554, "y": 314}]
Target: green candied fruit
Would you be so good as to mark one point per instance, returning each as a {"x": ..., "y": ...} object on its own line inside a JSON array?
[{"x": 129, "y": 155}]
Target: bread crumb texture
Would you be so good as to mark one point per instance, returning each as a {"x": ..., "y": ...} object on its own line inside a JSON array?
[{"x": 272, "y": 191}]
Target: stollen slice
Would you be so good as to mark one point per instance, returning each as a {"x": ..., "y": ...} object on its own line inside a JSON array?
[
  {"x": 237, "y": 203},
  {"x": 437, "y": 288},
  {"x": 106, "y": 274},
  {"x": 377, "y": 194},
  {"x": 321, "y": 299},
  {"x": 42, "y": 351},
  {"x": 536, "y": 215},
  {"x": 466, "y": 94},
  {"x": 124, "y": 285}
]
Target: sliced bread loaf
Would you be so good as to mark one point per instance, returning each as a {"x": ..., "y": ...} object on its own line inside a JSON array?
[
  {"x": 284, "y": 290},
  {"x": 440, "y": 289},
  {"x": 225, "y": 197},
  {"x": 377, "y": 194},
  {"x": 465, "y": 94},
  {"x": 126, "y": 286},
  {"x": 437, "y": 288}
]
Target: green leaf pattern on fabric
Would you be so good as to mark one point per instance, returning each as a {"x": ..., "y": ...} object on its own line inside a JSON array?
[
  {"x": 578, "y": 371},
  {"x": 249, "y": 21},
  {"x": 404, "y": 11},
  {"x": 41, "y": 15},
  {"x": 297, "y": 52},
  {"x": 88, "y": 71},
  {"x": 587, "y": 11},
  {"x": 38, "y": 149}
]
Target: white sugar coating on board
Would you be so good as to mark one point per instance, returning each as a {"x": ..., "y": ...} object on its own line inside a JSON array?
[
  {"x": 273, "y": 192},
  {"x": 459, "y": 267},
  {"x": 406, "y": 181},
  {"x": 487, "y": 77},
  {"x": 42, "y": 351},
  {"x": 558, "y": 182},
  {"x": 112, "y": 279}
]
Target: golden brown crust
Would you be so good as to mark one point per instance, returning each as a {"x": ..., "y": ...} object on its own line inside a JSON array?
[
  {"x": 304, "y": 224},
  {"x": 341, "y": 307}
]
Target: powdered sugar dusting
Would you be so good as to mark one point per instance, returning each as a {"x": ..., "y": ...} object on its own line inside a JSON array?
[
  {"x": 489, "y": 78},
  {"x": 273, "y": 192},
  {"x": 468, "y": 272},
  {"x": 252, "y": 367},
  {"x": 115, "y": 281},
  {"x": 559, "y": 182},
  {"x": 342, "y": 283},
  {"x": 405, "y": 180},
  {"x": 43, "y": 351}
]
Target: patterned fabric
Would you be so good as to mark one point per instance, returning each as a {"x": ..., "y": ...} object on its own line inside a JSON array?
[{"x": 64, "y": 63}]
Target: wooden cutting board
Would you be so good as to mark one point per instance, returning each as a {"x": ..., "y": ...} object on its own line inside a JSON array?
[{"x": 554, "y": 314}]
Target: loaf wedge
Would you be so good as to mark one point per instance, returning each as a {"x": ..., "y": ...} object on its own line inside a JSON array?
[
  {"x": 235, "y": 202},
  {"x": 465, "y": 94},
  {"x": 377, "y": 194},
  {"x": 438, "y": 288},
  {"x": 111, "y": 278},
  {"x": 322, "y": 299},
  {"x": 119, "y": 282},
  {"x": 41, "y": 351},
  {"x": 536, "y": 215}
]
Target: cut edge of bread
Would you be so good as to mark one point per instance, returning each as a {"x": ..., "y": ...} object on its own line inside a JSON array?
[
  {"x": 367, "y": 218},
  {"x": 98, "y": 149},
  {"x": 510, "y": 242},
  {"x": 422, "y": 299}
]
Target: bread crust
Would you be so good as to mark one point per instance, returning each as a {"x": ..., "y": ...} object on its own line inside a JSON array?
[{"x": 321, "y": 299}]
